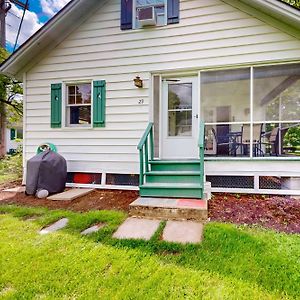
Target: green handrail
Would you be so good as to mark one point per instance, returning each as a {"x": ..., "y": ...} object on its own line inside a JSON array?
[
  {"x": 145, "y": 135},
  {"x": 201, "y": 144},
  {"x": 144, "y": 150}
]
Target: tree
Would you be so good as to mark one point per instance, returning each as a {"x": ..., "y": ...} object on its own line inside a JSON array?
[
  {"x": 295, "y": 3},
  {"x": 11, "y": 105}
]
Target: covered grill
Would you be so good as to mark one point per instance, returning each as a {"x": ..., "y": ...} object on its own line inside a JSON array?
[{"x": 46, "y": 171}]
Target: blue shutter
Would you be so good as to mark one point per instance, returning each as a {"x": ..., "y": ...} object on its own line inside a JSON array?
[
  {"x": 56, "y": 103},
  {"x": 126, "y": 14},
  {"x": 173, "y": 11},
  {"x": 99, "y": 98}
]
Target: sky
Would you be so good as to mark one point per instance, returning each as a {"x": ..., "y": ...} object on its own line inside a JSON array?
[{"x": 40, "y": 11}]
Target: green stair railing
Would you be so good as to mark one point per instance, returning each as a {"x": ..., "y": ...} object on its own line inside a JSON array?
[
  {"x": 146, "y": 150},
  {"x": 201, "y": 146}
]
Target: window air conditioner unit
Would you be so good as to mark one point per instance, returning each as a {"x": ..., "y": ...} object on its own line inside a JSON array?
[{"x": 146, "y": 16}]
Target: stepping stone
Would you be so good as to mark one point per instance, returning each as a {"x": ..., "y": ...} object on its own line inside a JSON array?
[
  {"x": 92, "y": 229},
  {"x": 183, "y": 232},
  {"x": 134, "y": 228},
  {"x": 55, "y": 227},
  {"x": 18, "y": 189},
  {"x": 70, "y": 194}
]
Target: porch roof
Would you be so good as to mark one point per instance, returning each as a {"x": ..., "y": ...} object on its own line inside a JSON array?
[{"x": 77, "y": 11}]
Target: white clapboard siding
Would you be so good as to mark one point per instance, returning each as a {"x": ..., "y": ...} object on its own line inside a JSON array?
[{"x": 210, "y": 34}]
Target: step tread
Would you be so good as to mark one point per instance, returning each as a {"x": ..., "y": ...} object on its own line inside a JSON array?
[
  {"x": 172, "y": 173},
  {"x": 172, "y": 185},
  {"x": 174, "y": 161}
]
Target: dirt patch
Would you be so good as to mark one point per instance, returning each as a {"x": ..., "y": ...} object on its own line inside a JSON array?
[
  {"x": 96, "y": 200},
  {"x": 274, "y": 212}
]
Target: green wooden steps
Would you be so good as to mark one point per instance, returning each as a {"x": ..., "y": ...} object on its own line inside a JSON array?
[
  {"x": 167, "y": 178},
  {"x": 170, "y": 178}
]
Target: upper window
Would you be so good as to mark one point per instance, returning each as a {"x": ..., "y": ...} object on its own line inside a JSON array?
[
  {"x": 78, "y": 108},
  {"x": 150, "y": 12}
]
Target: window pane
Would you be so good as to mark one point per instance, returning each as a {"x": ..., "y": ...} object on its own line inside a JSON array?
[
  {"x": 232, "y": 140},
  {"x": 79, "y": 115},
  {"x": 20, "y": 133},
  {"x": 180, "y": 96},
  {"x": 180, "y": 123},
  {"x": 277, "y": 93},
  {"x": 71, "y": 89},
  {"x": 83, "y": 93},
  {"x": 225, "y": 96},
  {"x": 71, "y": 94},
  {"x": 278, "y": 139},
  {"x": 71, "y": 99}
]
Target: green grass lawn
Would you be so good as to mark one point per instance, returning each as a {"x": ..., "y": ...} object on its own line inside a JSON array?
[
  {"x": 8, "y": 178},
  {"x": 231, "y": 263}
]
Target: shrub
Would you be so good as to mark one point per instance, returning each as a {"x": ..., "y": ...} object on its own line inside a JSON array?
[{"x": 12, "y": 164}]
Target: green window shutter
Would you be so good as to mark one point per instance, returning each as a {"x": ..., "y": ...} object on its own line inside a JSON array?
[
  {"x": 99, "y": 98},
  {"x": 12, "y": 134},
  {"x": 56, "y": 103}
]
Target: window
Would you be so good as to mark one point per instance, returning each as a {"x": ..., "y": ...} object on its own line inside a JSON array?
[
  {"x": 252, "y": 112},
  {"x": 160, "y": 9},
  {"x": 78, "y": 108},
  {"x": 16, "y": 134}
]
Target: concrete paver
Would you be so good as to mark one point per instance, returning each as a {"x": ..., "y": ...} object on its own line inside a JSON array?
[
  {"x": 92, "y": 229},
  {"x": 18, "y": 189},
  {"x": 70, "y": 194},
  {"x": 183, "y": 232},
  {"x": 134, "y": 228},
  {"x": 56, "y": 226}
]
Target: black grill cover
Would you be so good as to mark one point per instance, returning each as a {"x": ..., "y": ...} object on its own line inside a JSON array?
[{"x": 47, "y": 170}]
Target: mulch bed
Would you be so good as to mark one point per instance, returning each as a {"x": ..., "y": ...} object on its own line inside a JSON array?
[
  {"x": 96, "y": 200},
  {"x": 274, "y": 212}
]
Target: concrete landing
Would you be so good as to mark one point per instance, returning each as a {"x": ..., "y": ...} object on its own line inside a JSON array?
[
  {"x": 170, "y": 209},
  {"x": 92, "y": 229},
  {"x": 183, "y": 232},
  {"x": 70, "y": 194},
  {"x": 134, "y": 228},
  {"x": 60, "y": 224}
]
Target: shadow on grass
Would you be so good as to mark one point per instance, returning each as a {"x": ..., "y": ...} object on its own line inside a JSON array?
[{"x": 261, "y": 257}]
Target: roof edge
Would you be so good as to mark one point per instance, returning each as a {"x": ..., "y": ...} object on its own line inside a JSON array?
[{"x": 51, "y": 33}]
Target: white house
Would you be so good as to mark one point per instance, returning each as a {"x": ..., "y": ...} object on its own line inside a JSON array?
[
  {"x": 13, "y": 138},
  {"x": 99, "y": 72}
]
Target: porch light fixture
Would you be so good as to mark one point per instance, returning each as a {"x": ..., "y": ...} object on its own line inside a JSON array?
[{"x": 138, "y": 82}]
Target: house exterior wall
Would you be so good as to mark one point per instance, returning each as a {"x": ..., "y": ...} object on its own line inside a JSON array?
[{"x": 211, "y": 34}]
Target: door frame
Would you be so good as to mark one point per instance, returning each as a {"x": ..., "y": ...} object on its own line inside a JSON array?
[{"x": 195, "y": 79}]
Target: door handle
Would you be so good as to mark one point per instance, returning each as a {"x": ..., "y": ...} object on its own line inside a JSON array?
[{"x": 196, "y": 116}]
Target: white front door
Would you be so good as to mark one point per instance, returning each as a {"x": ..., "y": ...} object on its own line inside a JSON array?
[{"x": 179, "y": 118}]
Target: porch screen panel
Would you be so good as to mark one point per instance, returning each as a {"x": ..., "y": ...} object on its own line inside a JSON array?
[
  {"x": 225, "y": 108},
  {"x": 276, "y": 107}
]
